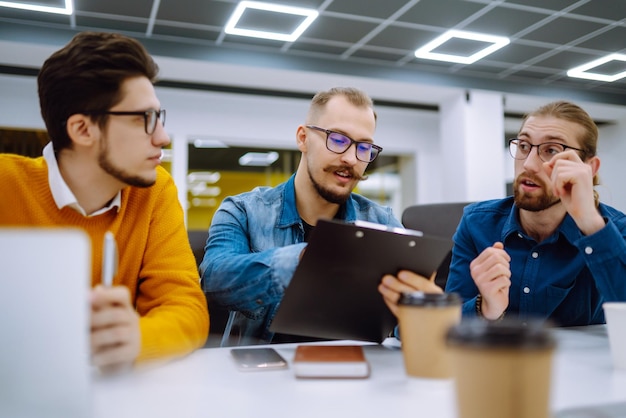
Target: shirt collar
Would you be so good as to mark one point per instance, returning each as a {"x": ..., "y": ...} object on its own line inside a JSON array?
[
  {"x": 289, "y": 213},
  {"x": 61, "y": 192},
  {"x": 567, "y": 227}
]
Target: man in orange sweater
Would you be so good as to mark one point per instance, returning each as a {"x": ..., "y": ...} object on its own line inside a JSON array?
[{"x": 100, "y": 172}]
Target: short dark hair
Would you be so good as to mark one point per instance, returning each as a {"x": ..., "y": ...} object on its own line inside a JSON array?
[{"x": 85, "y": 76}]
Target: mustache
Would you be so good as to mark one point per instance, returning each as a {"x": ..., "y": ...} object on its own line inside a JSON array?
[{"x": 350, "y": 171}]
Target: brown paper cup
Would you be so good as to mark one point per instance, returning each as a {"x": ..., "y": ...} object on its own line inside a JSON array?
[
  {"x": 501, "y": 369},
  {"x": 424, "y": 320}
]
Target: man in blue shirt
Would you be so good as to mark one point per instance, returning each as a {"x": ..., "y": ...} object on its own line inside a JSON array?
[
  {"x": 552, "y": 250},
  {"x": 256, "y": 238}
]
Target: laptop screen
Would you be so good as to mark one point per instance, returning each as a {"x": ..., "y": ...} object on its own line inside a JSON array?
[{"x": 44, "y": 314}]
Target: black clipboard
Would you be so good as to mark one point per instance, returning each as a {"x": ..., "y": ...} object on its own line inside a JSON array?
[{"x": 333, "y": 293}]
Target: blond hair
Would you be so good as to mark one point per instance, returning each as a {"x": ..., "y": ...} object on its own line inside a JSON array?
[{"x": 355, "y": 96}]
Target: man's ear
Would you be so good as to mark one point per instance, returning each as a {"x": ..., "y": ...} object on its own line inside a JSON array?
[
  {"x": 301, "y": 138},
  {"x": 81, "y": 129},
  {"x": 594, "y": 162}
]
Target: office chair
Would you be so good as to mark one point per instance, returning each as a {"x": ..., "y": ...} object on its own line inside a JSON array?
[
  {"x": 438, "y": 219},
  {"x": 197, "y": 240},
  {"x": 218, "y": 316}
]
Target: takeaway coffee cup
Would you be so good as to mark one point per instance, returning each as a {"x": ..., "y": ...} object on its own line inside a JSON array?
[
  {"x": 615, "y": 314},
  {"x": 502, "y": 369},
  {"x": 424, "y": 320}
]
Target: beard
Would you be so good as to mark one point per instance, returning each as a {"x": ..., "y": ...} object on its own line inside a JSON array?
[
  {"x": 533, "y": 203},
  {"x": 330, "y": 196},
  {"x": 106, "y": 163}
]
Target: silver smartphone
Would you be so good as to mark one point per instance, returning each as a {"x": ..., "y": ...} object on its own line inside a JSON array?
[{"x": 250, "y": 359}]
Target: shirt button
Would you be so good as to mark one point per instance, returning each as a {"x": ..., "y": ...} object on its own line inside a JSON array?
[
  {"x": 519, "y": 235},
  {"x": 535, "y": 254},
  {"x": 588, "y": 250},
  {"x": 527, "y": 290},
  {"x": 259, "y": 302}
]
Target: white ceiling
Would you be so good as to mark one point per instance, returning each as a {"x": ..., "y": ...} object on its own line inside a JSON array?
[{"x": 370, "y": 43}]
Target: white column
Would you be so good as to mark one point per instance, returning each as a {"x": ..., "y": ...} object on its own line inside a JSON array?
[
  {"x": 180, "y": 154},
  {"x": 472, "y": 140}
]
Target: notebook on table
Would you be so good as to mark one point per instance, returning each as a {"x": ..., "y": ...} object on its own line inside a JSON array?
[
  {"x": 334, "y": 291},
  {"x": 44, "y": 311},
  {"x": 330, "y": 361}
]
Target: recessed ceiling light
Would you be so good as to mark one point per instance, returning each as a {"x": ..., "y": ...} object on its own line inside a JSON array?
[
  {"x": 207, "y": 177},
  {"x": 67, "y": 10},
  {"x": 496, "y": 42},
  {"x": 581, "y": 71},
  {"x": 258, "y": 159},
  {"x": 208, "y": 143},
  {"x": 231, "y": 27}
]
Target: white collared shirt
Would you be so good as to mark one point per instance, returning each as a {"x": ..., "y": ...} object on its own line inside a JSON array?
[{"x": 61, "y": 192}]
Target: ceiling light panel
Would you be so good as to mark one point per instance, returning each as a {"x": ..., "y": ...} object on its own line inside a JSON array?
[
  {"x": 494, "y": 43},
  {"x": 283, "y": 16},
  {"x": 64, "y": 7},
  {"x": 208, "y": 143},
  {"x": 582, "y": 71},
  {"x": 258, "y": 159}
]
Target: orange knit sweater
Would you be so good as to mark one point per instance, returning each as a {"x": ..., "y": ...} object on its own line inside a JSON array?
[{"x": 155, "y": 259}]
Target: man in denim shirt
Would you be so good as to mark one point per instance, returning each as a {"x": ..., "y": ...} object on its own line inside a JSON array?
[
  {"x": 552, "y": 250},
  {"x": 256, "y": 238}
]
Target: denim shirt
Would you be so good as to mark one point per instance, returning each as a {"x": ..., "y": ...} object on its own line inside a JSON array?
[
  {"x": 565, "y": 278},
  {"x": 255, "y": 241}
]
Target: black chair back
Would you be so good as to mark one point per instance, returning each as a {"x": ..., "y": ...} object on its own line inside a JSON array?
[
  {"x": 438, "y": 219},
  {"x": 218, "y": 316}
]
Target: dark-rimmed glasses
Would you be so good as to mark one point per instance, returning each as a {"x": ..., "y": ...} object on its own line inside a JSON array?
[
  {"x": 150, "y": 117},
  {"x": 520, "y": 149},
  {"x": 339, "y": 143}
]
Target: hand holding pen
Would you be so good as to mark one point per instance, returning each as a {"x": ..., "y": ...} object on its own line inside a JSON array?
[{"x": 115, "y": 333}]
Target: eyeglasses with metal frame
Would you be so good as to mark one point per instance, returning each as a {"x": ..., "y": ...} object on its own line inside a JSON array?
[
  {"x": 339, "y": 143},
  {"x": 520, "y": 149},
  {"x": 150, "y": 117}
]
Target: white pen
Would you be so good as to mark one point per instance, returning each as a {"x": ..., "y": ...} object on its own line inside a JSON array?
[{"x": 109, "y": 259}]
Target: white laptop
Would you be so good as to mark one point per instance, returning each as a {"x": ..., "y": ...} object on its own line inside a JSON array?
[{"x": 44, "y": 311}]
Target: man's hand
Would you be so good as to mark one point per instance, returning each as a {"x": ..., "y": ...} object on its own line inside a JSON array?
[
  {"x": 492, "y": 275},
  {"x": 115, "y": 334},
  {"x": 391, "y": 287},
  {"x": 572, "y": 182}
]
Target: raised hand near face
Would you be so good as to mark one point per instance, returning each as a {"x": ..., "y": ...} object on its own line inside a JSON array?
[{"x": 572, "y": 182}]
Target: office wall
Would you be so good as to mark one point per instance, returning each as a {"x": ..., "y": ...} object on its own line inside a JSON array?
[
  {"x": 612, "y": 152},
  {"x": 19, "y": 105},
  {"x": 249, "y": 120}
]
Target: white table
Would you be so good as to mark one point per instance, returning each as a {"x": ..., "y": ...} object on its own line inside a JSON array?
[{"x": 207, "y": 384}]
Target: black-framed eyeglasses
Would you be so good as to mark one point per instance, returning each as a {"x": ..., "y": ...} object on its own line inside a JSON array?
[
  {"x": 520, "y": 149},
  {"x": 150, "y": 117},
  {"x": 339, "y": 143}
]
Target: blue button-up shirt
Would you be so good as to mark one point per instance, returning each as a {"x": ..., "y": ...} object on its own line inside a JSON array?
[
  {"x": 254, "y": 244},
  {"x": 565, "y": 278}
]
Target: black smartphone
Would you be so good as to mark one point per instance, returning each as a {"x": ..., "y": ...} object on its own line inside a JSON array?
[{"x": 253, "y": 359}]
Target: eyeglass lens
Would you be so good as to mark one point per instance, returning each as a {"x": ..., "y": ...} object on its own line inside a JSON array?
[
  {"x": 152, "y": 116},
  {"x": 339, "y": 143},
  {"x": 521, "y": 149}
]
